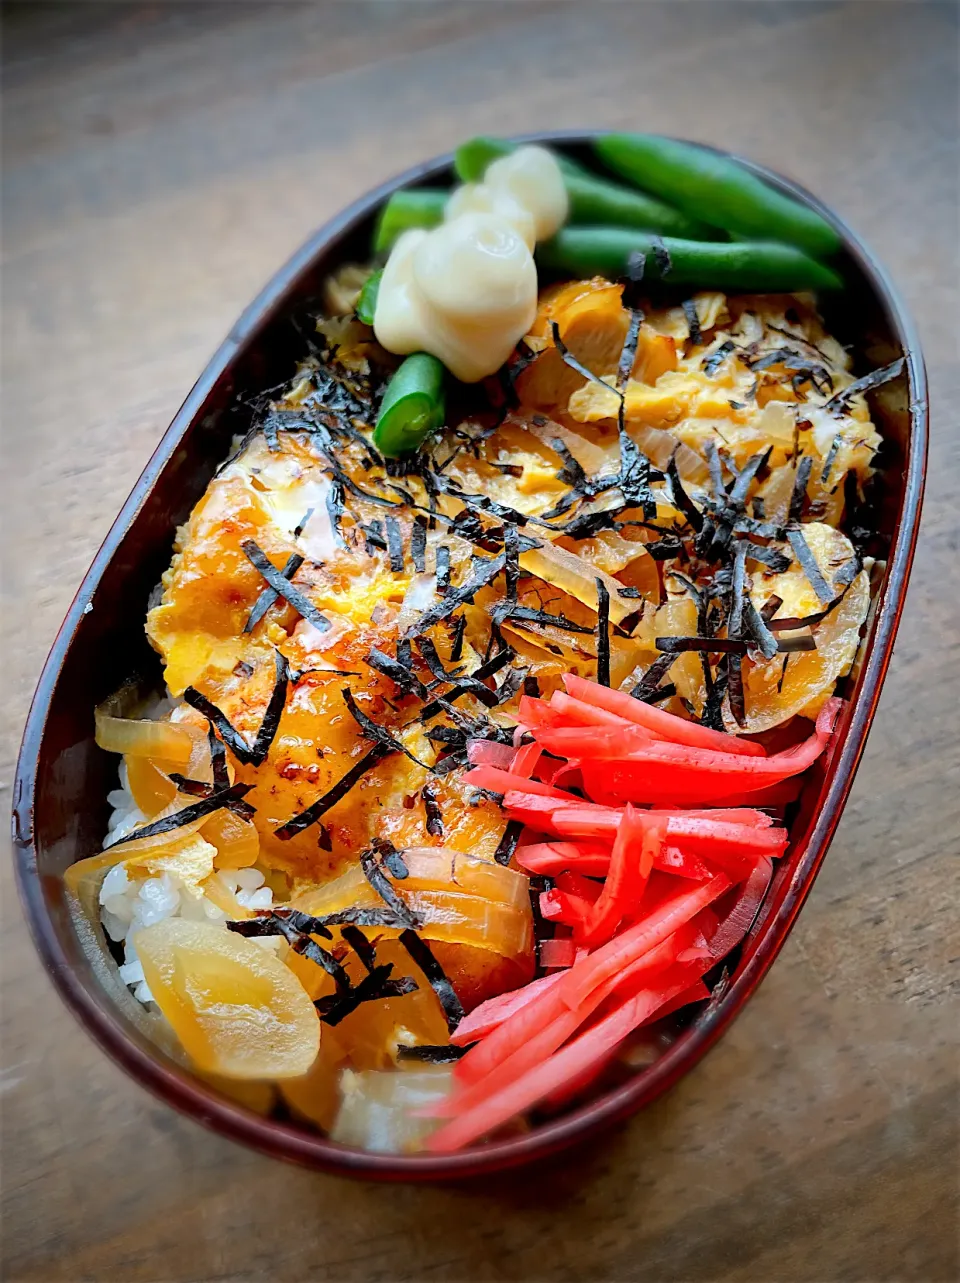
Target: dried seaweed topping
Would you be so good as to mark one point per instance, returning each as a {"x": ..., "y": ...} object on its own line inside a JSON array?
[
  {"x": 787, "y": 645},
  {"x": 418, "y": 544},
  {"x": 256, "y": 753},
  {"x": 486, "y": 669},
  {"x": 625, "y": 590},
  {"x": 372, "y": 730},
  {"x": 529, "y": 615},
  {"x": 738, "y": 492},
  {"x": 805, "y": 369},
  {"x": 681, "y": 499},
  {"x": 718, "y": 645},
  {"x": 693, "y": 321},
  {"x": 333, "y": 795},
  {"x": 422, "y": 955},
  {"x": 270, "y": 595},
  {"x": 783, "y": 673},
  {"x": 483, "y": 573},
  {"x": 652, "y": 678},
  {"x": 375, "y": 985},
  {"x": 511, "y": 569},
  {"x": 804, "y": 468},
  {"x": 373, "y": 872},
  {"x": 662, "y": 256},
  {"x": 399, "y": 671},
  {"x": 434, "y": 815},
  {"x": 324, "y": 838},
  {"x": 712, "y": 363},
  {"x": 830, "y": 458},
  {"x": 443, "y": 570},
  {"x": 770, "y": 607},
  {"x": 195, "y": 811},
  {"x": 373, "y": 537},
  {"x": 603, "y": 633},
  {"x": 466, "y": 683},
  {"x": 430, "y": 1054},
  {"x": 735, "y": 689},
  {"x": 838, "y": 403},
  {"x": 218, "y": 760},
  {"x": 508, "y": 842},
  {"x": 712, "y": 714},
  {"x": 808, "y": 564},
  {"x": 459, "y": 628},
  {"x": 395, "y": 545},
  {"x": 392, "y": 859},
  {"x": 772, "y": 558},
  {"x": 737, "y": 581},
  {"x": 360, "y": 945},
  {"x": 531, "y": 686},
  {"x": 630, "y": 299},
  {"x": 301, "y": 525},
  {"x": 301, "y": 604},
  {"x": 511, "y": 684},
  {"x": 758, "y": 630}
]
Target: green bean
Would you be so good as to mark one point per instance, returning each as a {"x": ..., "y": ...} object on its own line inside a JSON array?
[
  {"x": 410, "y": 207},
  {"x": 592, "y": 199},
  {"x": 707, "y": 185},
  {"x": 724, "y": 265},
  {"x": 413, "y": 405},
  {"x": 366, "y": 308}
]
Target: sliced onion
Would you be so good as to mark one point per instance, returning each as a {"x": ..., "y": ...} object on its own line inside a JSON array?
[
  {"x": 150, "y": 785},
  {"x": 163, "y": 741},
  {"x": 236, "y": 839},
  {"x": 575, "y": 575}
]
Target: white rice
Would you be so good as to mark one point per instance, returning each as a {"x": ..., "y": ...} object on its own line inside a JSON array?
[{"x": 127, "y": 904}]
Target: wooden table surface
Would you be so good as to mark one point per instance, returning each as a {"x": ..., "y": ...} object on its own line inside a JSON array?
[{"x": 160, "y": 162}]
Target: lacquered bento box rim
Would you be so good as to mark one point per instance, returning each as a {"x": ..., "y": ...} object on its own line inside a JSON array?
[{"x": 177, "y": 1086}]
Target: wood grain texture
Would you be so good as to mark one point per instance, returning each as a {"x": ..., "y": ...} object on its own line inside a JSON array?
[{"x": 159, "y": 162}]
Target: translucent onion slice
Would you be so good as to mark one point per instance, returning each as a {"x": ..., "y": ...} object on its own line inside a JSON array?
[
  {"x": 315, "y": 1097},
  {"x": 151, "y": 786},
  {"x": 577, "y": 576},
  {"x": 237, "y": 1010},
  {"x": 236, "y": 839},
  {"x": 163, "y": 741},
  {"x": 383, "y": 1111}
]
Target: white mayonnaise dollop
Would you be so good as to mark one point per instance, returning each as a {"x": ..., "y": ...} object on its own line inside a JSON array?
[{"x": 466, "y": 291}]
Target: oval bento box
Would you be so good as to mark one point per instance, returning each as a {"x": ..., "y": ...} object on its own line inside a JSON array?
[{"x": 60, "y": 808}]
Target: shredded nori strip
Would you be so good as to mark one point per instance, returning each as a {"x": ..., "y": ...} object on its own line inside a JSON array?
[
  {"x": 218, "y": 758},
  {"x": 783, "y": 673},
  {"x": 804, "y": 468},
  {"x": 630, "y": 299},
  {"x": 394, "y": 861},
  {"x": 195, "y": 811},
  {"x": 333, "y": 795},
  {"x": 256, "y": 753},
  {"x": 838, "y": 403},
  {"x": 683, "y": 501},
  {"x": 712, "y": 714},
  {"x": 735, "y": 689},
  {"x": 431, "y": 1055},
  {"x": 738, "y": 493},
  {"x": 626, "y": 591},
  {"x": 459, "y": 628},
  {"x": 360, "y": 945},
  {"x": 528, "y": 615},
  {"x": 395, "y": 545},
  {"x": 662, "y": 256},
  {"x": 486, "y": 669},
  {"x": 269, "y": 595},
  {"x": 653, "y": 677},
  {"x": 422, "y": 955},
  {"x": 603, "y": 633},
  {"x": 465, "y": 683},
  {"x": 772, "y": 558},
  {"x": 721, "y": 645},
  {"x": 770, "y": 607},
  {"x": 829, "y": 459},
  {"x": 377, "y": 984},
  {"x": 443, "y": 570},
  {"x": 758, "y": 629},
  {"x": 324, "y": 839},
  {"x": 788, "y": 645},
  {"x": 431, "y": 806},
  {"x": 373, "y": 872},
  {"x": 301, "y": 604},
  {"x": 418, "y": 544},
  {"x": 693, "y": 321},
  {"x": 301, "y": 525},
  {"x": 372, "y": 730},
  {"x": 713, "y": 362},
  {"x": 373, "y": 537},
  {"x": 531, "y": 686},
  {"x": 401, "y": 674},
  {"x": 808, "y": 564},
  {"x": 569, "y": 359},
  {"x": 663, "y": 550},
  {"x": 335, "y": 510},
  {"x": 511, "y": 569},
  {"x": 508, "y": 842},
  {"x": 511, "y": 684},
  {"x": 483, "y": 574}
]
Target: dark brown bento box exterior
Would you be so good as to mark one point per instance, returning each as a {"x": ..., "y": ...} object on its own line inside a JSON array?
[{"x": 62, "y": 778}]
